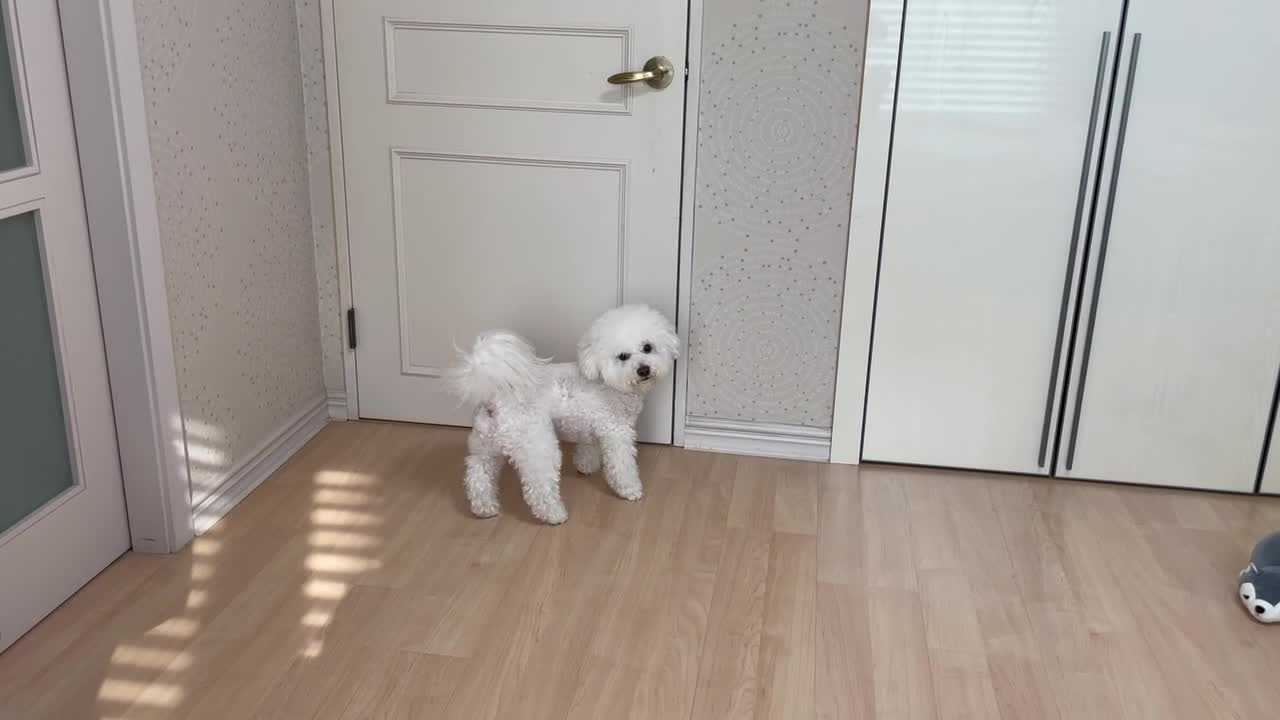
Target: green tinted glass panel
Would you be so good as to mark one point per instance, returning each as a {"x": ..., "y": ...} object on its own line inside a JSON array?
[
  {"x": 13, "y": 145},
  {"x": 35, "y": 460}
]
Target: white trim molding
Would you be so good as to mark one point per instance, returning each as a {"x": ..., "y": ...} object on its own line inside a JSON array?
[
  {"x": 251, "y": 472},
  {"x": 870, "y": 183},
  {"x": 688, "y": 187},
  {"x": 337, "y": 404},
  {"x": 337, "y": 177},
  {"x": 105, "y": 79},
  {"x": 737, "y": 437}
]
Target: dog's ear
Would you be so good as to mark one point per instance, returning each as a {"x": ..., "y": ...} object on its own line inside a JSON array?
[
  {"x": 668, "y": 340},
  {"x": 588, "y": 360}
]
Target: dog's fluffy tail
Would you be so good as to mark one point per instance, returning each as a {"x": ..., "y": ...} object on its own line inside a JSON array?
[{"x": 500, "y": 364}]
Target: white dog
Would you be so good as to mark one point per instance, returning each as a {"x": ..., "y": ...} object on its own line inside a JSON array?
[{"x": 523, "y": 402}]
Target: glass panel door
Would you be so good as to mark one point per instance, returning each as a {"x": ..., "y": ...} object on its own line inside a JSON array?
[
  {"x": 33, "y": 436},
  {"x": 62, "y": 510},
  {"x": 15, "y": 143}
]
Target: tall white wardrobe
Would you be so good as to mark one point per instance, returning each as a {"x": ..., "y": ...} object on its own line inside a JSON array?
[{"x": 1080, "y": 264}]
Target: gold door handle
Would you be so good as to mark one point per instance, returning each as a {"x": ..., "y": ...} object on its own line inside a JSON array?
[{"x": 658, "y": 72}]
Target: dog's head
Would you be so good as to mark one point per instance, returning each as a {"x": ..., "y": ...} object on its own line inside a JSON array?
[{"x": 629, "y": 348}]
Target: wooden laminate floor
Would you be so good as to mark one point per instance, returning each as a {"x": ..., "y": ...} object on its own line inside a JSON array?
[{"x": 354, "y": 584}]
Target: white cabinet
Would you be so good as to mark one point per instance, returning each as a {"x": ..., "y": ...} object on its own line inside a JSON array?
[
  {"x": 1178, "y": 357},
  {"x": 997, "y": 127},
  {"x": 1271, "y": 473},
  {"x": 1013, "y": 197}
]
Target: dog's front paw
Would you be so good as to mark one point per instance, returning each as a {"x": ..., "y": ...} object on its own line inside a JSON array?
[
  {"x": 553, "y": 515},
  {"x": 630, "y": 492},
  {"x": 484, "y": 509}
]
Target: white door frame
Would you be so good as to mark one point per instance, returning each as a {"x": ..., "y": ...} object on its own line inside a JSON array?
[
  {"x": 338, "y": 178},
  {"x": 105, "y": 78},
  {"x": 866, "y": 215}
]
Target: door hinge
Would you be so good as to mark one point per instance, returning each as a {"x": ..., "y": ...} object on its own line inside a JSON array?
[{"x": 351, "y": 328}]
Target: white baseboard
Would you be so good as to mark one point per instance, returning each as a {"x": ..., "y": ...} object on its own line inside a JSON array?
[
  {"x": 259, "y": 465},
  {"x": 757, "y": 438},
  {"x": 337, "y": 402}
]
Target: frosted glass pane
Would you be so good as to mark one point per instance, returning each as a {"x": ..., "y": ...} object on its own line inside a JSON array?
[
  {"x": 35, "y": 460},
  {"x": 13, "y": 146}
]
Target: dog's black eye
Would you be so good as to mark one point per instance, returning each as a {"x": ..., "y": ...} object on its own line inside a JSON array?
[
  {"x": 648, "y": 348},
  {"x": 623, "y": 357}
]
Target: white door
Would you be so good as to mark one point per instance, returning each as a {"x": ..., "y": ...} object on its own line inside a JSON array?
[
  {"x": 62, "y": 515},
  {"x": 998, "y": 121},
  {"x": 495, "y": 179},
  {"x": 1177, "y": 361}
]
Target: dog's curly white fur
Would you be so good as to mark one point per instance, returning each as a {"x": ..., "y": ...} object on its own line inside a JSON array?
[{"x": 524, "y": 402}]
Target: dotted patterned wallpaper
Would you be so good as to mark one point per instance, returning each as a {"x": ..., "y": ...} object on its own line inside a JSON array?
[
  {"x": 778, "y": 122},
  {"x": 223, "y": 86}
]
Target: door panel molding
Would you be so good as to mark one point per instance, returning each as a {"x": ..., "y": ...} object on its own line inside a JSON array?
[
  {"x": 399, "y": 154},
  {"x": 620, "y": 102}
]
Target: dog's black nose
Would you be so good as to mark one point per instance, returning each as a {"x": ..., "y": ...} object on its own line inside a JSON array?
[
  {"x": 643, "y": 371},
  {"x": 1259, "y": 609}
]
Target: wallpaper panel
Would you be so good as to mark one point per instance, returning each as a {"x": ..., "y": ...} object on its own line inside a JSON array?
[
  {"x": 781, "y": 82},
  {"x": 223, "y": 86}
]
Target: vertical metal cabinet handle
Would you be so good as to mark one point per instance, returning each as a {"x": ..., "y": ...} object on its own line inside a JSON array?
[
  {"x": 1098, "y": 82},
  {"x": 1102, "y": 247}
]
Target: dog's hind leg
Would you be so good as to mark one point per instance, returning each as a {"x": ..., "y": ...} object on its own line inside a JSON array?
[
  {"x": 482, "y": 482},
  {"x": 537, "y": 458},
  {"x": 586, "y": 458}
]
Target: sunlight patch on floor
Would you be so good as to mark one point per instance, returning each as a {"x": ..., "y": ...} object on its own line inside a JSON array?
[
  {"x": 204, "y": 547},
  {"x": 339, "y": 496},
  {"x": 178, "y": 628},
  {"x": 338, "y": 478},
  {"x": 151, "y": 694},
  {"x": 341, "y": 503},
  {"x": 150, "y": 658},
  {"x": 325, "y": 589},
  {"x": 333, "y": 517},
  {"x": 342, "y": 540},
  {"x": 340, "y": 564},
  {"x": 316, "y": 619}
]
